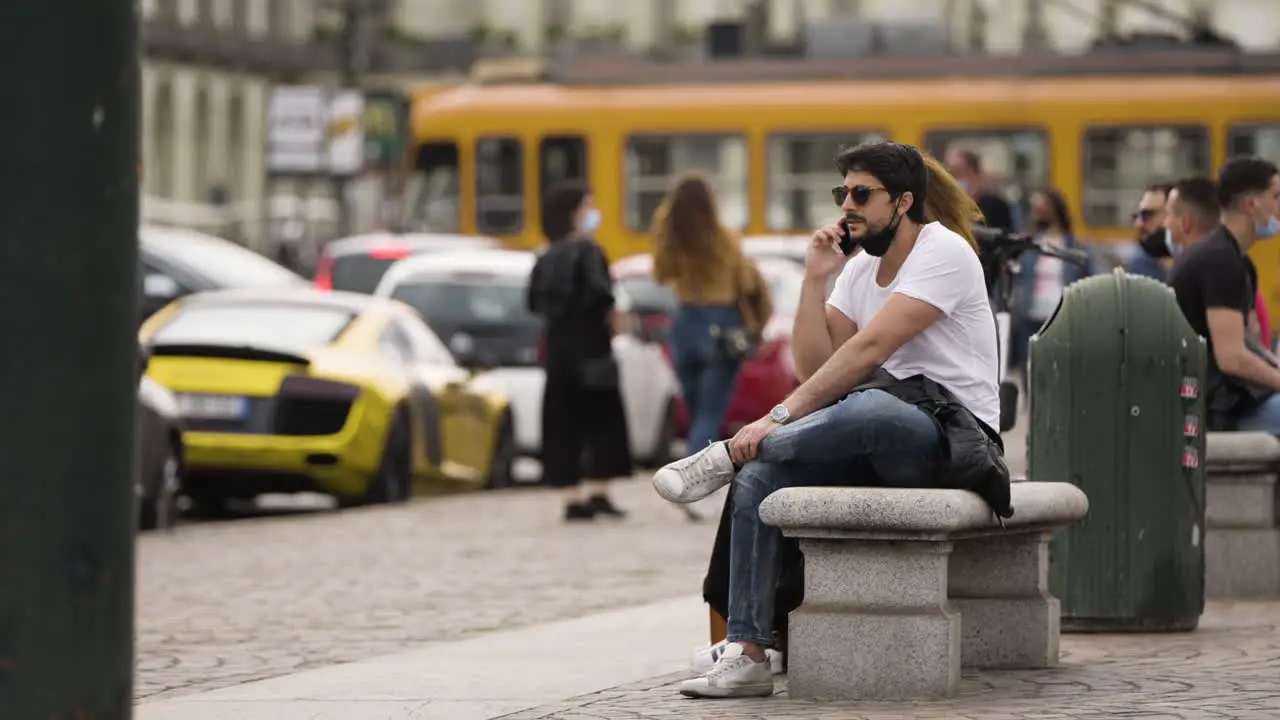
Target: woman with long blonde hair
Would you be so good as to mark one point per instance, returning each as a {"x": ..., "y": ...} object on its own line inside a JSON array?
[
  {"x": 948, "y": 203},
  {"x": 723, "y": 302}
]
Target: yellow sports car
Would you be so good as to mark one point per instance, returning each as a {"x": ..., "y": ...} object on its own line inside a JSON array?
[{"x": 300, "y": 390}]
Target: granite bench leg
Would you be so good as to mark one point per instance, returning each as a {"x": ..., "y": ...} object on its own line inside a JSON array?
[
  {"x": 875, "y": 623},
  {"x": 1000, "y": 586}
]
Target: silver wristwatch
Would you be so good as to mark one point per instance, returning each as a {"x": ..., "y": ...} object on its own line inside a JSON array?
[{"x": 780, "y": 414}]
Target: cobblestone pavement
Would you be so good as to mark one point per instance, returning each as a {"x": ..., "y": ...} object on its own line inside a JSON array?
[
  {"x": 230, "y": 602},
  {"x": 1228, "y": 669},
  {"x": 224, "y": 603}
]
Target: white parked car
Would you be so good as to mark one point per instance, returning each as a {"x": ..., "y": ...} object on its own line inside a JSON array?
[
  {"x": 476, "y": 302},
  {"x": 789, "y": 247}
]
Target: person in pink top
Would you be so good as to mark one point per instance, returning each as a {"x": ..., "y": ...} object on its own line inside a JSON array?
[{"x": 1264, "y": 320}]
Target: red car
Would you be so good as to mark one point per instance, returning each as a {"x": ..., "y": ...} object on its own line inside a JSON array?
[{"x": 767, "y": 377}]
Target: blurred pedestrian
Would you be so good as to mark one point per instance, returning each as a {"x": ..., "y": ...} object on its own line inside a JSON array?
[
  {"x": 1215, "y": 283},
  {"x": 584, "y": 426},
  {"x": 966, "y": 167},
  {"x": 1148, "y": 225},
  {"x": 724, "y": 303},
  {"x": 1041, "y": 279},
  {"x": 1191, "y": 212}
]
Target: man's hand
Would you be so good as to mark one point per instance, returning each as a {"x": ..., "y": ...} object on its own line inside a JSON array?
[
  {"x": 823, "y": 256},
  {"x": 745, "y": 446}
]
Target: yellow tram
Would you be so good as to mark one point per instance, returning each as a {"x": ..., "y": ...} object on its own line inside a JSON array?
[{"x": 483, "y": 154}]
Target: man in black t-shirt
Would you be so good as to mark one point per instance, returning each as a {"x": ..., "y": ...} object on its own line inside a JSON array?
[{"x": 1215, "y": 282}]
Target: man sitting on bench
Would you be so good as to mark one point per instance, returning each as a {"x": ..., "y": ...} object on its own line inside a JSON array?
[{"x": 912, "y": 302}]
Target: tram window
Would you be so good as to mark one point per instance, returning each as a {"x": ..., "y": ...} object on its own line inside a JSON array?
[
  {"x": 799, "y": 172},
  {"x": 432, "y": 190},
  {"x": 1260, "y": 140},
  {"x": 499, "y": 186},
  {"x": 653, "y": 162},
  {"x": 561, "y": 159},
  {"x": 1015, "y": 161},
  {"x": 1120, "y": 162}
]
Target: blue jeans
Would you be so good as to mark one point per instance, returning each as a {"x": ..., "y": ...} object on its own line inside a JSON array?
[
  {"x": 707, "y": 378},
  {"x": 1264, "y": 418},
  {"x": 869, "y": 438}
]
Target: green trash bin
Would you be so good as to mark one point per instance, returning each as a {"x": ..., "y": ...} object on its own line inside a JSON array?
[{"x": 1117, "y": 408}]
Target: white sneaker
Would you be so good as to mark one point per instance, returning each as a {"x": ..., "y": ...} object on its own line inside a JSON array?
[
  {"x": 704, "y": 658},
  {"x": 733, "y": 675},
  {"x": 697, "y": 476}
]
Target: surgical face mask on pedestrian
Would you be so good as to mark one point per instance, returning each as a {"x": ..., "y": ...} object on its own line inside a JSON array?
[
  {"x": 590, "y": 221},
  {"x": 1269, "y": 229},
  {"x": 1158, "y": 243},
  {"x": 1153, "y": 240},
  {"x": 1265, "y": 224}
]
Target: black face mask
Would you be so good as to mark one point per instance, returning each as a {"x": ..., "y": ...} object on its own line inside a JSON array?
[
  {"x": 876, "y": 243},
  {"x": 1155, "y": 244}
]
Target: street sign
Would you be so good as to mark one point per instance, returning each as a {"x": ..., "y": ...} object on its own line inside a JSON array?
[
  {"x": 386, "y": 118},
  {"x": 314, "y": 130}
]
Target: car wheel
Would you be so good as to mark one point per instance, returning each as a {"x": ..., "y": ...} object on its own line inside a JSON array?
[
  {"x": 666, "y": 437},
  {"x": 393, "y": 482},
  {"x": 502, "y": 467},
  {"x": 159, "y": 511}
]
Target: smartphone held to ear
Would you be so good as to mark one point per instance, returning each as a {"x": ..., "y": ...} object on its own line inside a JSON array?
[{"x": 847, "y": 243}]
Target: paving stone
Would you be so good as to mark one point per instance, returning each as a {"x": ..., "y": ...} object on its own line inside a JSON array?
[
  {"x": 246, "y": 599},
  {"x": 1225, "y": 670}
]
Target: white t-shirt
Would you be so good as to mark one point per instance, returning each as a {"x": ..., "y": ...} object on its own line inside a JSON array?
[{"x": 959, "y": 350}]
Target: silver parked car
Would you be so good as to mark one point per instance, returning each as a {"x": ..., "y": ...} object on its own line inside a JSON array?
[{"x": 158, "y": 484}]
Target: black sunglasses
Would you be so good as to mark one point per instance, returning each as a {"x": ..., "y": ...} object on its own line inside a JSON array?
[
  {"x": 1145, "y": 215},
  {"x": 860, "y": 193}
]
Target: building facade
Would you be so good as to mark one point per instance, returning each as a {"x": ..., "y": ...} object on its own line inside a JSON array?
[
  {"x": 994, "y": 26},
  {"x": 209, "y": 66},
  {"x": 206, "y": 71}
]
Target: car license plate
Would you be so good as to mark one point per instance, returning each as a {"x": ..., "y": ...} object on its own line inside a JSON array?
[{"x": 213, "y": 407}]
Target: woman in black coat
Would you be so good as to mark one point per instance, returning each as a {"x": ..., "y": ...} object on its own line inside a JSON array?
[{"x": 584, "y": 426}]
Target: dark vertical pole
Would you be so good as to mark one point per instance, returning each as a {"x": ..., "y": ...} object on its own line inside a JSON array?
[{"x": 69, "y": 170}]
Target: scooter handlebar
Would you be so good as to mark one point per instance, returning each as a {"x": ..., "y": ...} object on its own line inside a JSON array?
[{"x": 995, "y": 241}]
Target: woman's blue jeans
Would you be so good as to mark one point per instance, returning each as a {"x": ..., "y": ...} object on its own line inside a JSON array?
[{"x": 707, "y": 378}]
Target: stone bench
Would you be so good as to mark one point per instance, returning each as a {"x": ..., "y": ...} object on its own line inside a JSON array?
[
  {"x": 1242, "y": 534},
  {"x": 903, "y": 587}
]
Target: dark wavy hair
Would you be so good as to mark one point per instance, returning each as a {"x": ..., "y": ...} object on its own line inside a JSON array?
[
  {"x": 1059, "y": 205},
  {"x": 559, "y": 208}
]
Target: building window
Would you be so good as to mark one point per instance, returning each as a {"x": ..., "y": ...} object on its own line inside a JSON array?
[
  {"x": 162, "y": 9},
  {"x": 204, "y": 13},
  {"x": 280, "y": 22},
  {"x": 499, "y": 186},
  {"x": 561, "y": 159},
  {"x": 1120, "y": 162},
  {"x": 432, "y": 190},
  {"x": 1014, "y": 161},
  {"x": 800, "y": 171},
  {"x": 240, "y": 15},
  {"x": 653, "y": 162},
  {"x": 1260, "y": 140}
]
